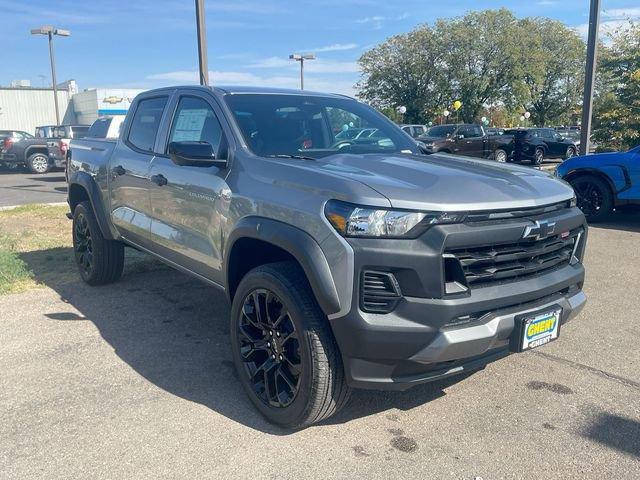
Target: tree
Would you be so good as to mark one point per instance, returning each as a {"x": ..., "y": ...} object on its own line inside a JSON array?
[
  {"x": 617, "y": 105},
  {"x": 480, "y": 60},
  {"x": 405, "y": 70},
  {"x": 552, "y": 58}
]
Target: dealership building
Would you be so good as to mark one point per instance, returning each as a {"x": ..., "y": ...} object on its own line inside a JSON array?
[{"x": 23, "y": 107}]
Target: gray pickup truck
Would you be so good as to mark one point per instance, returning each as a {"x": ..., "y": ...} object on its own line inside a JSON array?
[{"x": 347, "y": 263}]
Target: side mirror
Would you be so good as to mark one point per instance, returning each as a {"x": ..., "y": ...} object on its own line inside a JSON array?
[{"x": 194, "y": 154}]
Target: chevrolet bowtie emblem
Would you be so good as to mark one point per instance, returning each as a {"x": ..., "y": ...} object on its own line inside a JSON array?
[
  {"x": 112, "y": 99},
  {"x": 539, "y": 230}
]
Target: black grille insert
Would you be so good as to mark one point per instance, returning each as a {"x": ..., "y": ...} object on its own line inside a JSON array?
[
  {"x": 499, "y": 263},
  {"x": 380, "y": 292}
]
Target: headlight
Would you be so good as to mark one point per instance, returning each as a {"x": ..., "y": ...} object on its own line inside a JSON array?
[
  {"x": 573, "y": 202},
  {"x": 359, "y": 221}
]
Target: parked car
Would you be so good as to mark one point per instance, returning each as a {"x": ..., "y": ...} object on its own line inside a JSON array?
[
  {"x": 536, "y": 144},
  {"x": 603, "y": 181},
  {"x": 494, "y": 131},
  {"x": 574, "y": 135},
  {"x": 59, "y": 145},
  {"x": 414, "y": 131},
  {"x": 467, "y": 139},
  {"x": 348, "y": 263},
  {"x": 23, "y": 149}
]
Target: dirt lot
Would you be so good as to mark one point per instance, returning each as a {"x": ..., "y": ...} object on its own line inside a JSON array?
[{"x": 134, "y": 380}]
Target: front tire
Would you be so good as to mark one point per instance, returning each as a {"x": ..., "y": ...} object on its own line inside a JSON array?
[
  {"x": 100, "y": 261},
  {"x": 593, "y": 197},
  {"x": 38, "y": 163},
  {"x": 283, "y": 348}
]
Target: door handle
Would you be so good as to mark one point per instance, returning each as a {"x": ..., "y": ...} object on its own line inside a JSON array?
[
  {"x": 159, "y": 179},
  {"x": 119, "y": 170}
]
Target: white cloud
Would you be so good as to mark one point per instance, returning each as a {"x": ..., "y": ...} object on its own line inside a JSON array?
[
  {"x": 547, "y": 3},
  {"x": 312, "y": 82},
  {"x": 376, "y": 21},
  {"x": 319, "y": 65},
  {"x": 334, "y": 47},
  {"x": 622, "y": 13}
]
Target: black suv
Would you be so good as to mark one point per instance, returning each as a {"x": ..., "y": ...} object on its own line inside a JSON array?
[{"x": 536, "y": 144}]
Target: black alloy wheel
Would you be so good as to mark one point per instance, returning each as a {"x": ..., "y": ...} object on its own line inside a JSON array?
[
  {"x": 83, "y": 244},
  {"x": 269, "y": 348},
  {"x": 593, "y": 197}
]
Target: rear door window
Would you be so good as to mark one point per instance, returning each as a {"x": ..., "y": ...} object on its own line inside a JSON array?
[{"x": 145, "y": 123}]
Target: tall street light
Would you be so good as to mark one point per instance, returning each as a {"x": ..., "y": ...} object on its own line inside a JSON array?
[
  {"x": 202, "y": 43},
  {"x": 301, "y": 58},
  {"x": 50, "y": 31},
  {"x": 589, "y": 77}
]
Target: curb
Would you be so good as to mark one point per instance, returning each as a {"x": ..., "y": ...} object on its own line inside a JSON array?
[{"x": 13, "y": 207}]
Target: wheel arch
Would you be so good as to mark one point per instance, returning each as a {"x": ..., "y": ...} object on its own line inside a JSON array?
[
  {"x": 257, "y": 241},
  {"x": 82, "y": 187},
  {"x": 589, "y": 172}
]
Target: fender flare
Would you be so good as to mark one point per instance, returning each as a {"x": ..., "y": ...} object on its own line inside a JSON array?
[
  {"x": 30, "y": 148},
  {"x": 297, "y": 243},
  {"x": 87, "y": 182}
]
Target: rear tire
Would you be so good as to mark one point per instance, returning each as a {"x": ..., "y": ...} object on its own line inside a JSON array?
[
  {"x": 570, "y": 153},
  {"x": 100, "y": 261},
  {"x": 284, "y": 351},
  {"x": 38, "y": 163},
  {"x": 594, "y": 197},
  {"x": 501, "y": 156},
  {"x": 538, "y": 157}
]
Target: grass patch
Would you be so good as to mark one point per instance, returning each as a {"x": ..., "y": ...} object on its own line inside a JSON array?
[{"x": 36, "y": 249}]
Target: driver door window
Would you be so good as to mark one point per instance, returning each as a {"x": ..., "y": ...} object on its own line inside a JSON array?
[{"x": 195, "y": 121}]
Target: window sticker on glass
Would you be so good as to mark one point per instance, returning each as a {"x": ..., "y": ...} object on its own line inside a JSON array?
[{"x": 189, "y": 125}]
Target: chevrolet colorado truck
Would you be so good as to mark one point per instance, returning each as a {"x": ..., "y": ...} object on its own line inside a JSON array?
[{"x": 347, "y": 264}]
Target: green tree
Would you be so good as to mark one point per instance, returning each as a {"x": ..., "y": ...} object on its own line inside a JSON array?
[
  {"x": 617, "y": 105},
  {"x": 552, "y": 57},
  {"x": 480, "y": 61},
  {"x": 405, "y": 71}
]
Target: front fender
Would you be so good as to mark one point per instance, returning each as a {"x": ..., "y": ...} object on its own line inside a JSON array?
[{"x": 297, "y": 243}]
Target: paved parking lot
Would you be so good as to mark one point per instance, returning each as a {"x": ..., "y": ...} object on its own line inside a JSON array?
[
  {"x": 135, "y": 380},
  {"x": 21, "y": 188}
]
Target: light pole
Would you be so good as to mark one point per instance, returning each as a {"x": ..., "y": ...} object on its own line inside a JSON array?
[
  {"x": 301, "y": 58},
  {"x": 50, "y": 31},
  {"x": 202, "y": 43},
  {"x": 589, "y": 76}
]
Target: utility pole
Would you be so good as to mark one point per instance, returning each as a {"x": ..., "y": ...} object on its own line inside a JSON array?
[
  {"x": 301, "y": 58},
  {"x": 50, "y": 31},
  {"x": 202, "y": 43},
  {"x": 589, "y": 76}
]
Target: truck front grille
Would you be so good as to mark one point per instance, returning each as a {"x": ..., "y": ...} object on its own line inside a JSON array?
[{"x": 487, "y": 265}]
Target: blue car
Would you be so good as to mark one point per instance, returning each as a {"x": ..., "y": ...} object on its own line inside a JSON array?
[{"x": 603, "y": 181}]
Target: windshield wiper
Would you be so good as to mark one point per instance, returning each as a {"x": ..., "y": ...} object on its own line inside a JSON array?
[{"x": 297, "y": 157}]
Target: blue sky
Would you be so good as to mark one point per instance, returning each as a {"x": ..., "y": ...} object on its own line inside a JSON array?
[{"x": 149, "y": 43}]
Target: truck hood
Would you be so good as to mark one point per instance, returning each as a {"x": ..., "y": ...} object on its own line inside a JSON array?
[{"x": 449, "y": 183}]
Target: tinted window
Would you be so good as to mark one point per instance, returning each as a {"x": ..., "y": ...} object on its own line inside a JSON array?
[
  {"x": 99, "y": 128},
  {"x": 441, "y": 131},
  {"x": 419, "y": 130},
  {"x": 145, "y": 123},
  {"x": 195, "y": 121},
  {"x": 548, "y": 134}
]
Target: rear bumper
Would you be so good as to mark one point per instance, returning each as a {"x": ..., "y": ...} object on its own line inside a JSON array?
[{"x": 9, "y": 159}]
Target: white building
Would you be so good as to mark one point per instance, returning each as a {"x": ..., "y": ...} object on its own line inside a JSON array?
[{"x": 24, "y": 108}]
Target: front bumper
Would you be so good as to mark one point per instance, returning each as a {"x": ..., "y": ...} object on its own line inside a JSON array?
[{"x": 423, "y": 338}]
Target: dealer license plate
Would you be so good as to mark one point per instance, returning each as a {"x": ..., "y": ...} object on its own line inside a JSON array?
[{"x": 540, "y": 329}]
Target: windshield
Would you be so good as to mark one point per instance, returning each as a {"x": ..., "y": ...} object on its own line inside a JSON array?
[
  {"x": 441, "y": 131},
  {"x": 314, "y": 126}
]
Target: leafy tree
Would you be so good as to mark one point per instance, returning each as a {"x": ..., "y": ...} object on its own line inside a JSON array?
[
  {"x": 552, "y": 58},
  {"x": 480, "y": 60},
  {"x": 405, "y": 70},
  {"x": 617, "y": 106}
]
